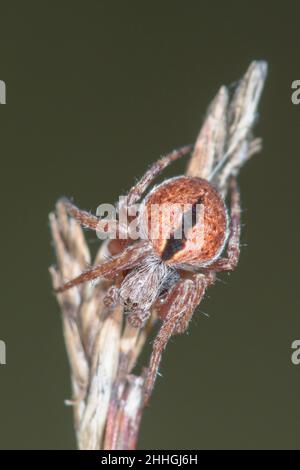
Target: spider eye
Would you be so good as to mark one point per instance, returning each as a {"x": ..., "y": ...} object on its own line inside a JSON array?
[{"x": 186, "y": 221}]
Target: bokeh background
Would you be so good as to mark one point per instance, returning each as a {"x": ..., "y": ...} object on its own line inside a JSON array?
[{"x": 96, "y": 91}]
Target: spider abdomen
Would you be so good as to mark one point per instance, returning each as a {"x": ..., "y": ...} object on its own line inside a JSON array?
[{"x": 186, "y": 221}]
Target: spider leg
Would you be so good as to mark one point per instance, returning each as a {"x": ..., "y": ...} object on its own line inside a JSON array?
[
  {"x": 127, "y": 259},
  {"x": 94, "y": 223},
  {"x": 201, "y": 282},
  {"x": 137, "y": 191},
  {"x": 181, "y": 303},
  {"x": 84, "y": 218},
  {"x": 229, "y": 262}
]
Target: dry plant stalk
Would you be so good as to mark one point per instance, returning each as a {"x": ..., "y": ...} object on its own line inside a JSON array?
[{"x": 102, "y": 347}]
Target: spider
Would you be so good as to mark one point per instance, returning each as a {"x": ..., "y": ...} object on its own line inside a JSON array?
[{"x": 166, "y": 274}]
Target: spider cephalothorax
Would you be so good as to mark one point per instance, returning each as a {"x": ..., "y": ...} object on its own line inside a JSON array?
[{"x": 176, "y": 258}]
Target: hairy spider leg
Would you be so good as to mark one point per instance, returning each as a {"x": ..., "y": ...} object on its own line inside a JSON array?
[
  {"x": 127, "y": 259},
  {"x": 138, "y": 190},
  {"x": 181, "y": 303},
  {"x": 94, "y": 223}
]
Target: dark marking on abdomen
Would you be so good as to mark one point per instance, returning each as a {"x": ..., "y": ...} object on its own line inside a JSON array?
[{"x": 173, "y": 245}]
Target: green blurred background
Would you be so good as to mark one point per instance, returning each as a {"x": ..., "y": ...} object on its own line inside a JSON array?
[{"x": 96, "y": 91}]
